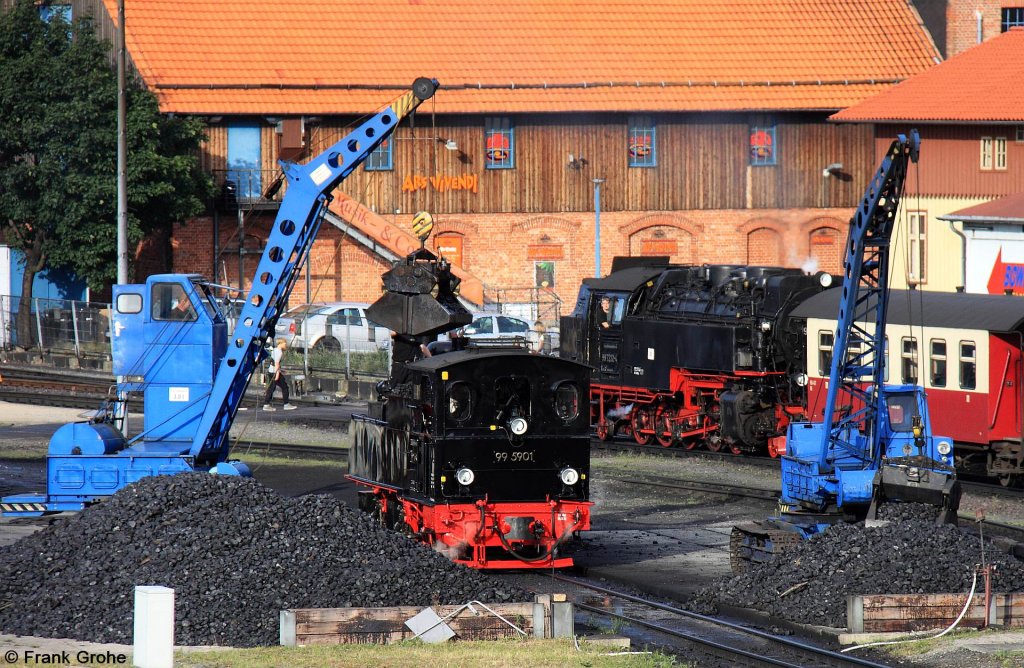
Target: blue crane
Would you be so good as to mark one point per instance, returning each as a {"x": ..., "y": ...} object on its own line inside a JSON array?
[
  {"x": 874, "y": 443},
  {"x": 170, "y": 342}
]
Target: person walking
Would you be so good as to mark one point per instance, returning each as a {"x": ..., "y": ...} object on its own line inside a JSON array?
[{"x": 277, "y": 378}]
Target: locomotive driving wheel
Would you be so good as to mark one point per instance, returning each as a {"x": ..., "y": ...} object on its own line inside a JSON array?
[
  {"x": 640, "y": 420},
  {"x": 604, "y": 432},
  {"x": 663, "y": 426}
]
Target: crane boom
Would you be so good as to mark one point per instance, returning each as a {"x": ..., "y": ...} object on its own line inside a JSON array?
[{"x": 291, "y": 238}]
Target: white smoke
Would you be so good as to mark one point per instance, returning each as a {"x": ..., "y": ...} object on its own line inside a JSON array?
[{"x": 617, "y": 413}]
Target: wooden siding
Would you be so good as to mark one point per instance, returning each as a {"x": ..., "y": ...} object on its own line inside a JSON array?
[
  {"x": 951, "y": 160},
  {"x": 701, "y": 165}
]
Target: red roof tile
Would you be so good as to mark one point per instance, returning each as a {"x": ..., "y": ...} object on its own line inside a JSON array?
[
  {"x": 1008, "y": 209},
  {"x": 980, "y": 84},
  {"x": 282, "y": 56}
]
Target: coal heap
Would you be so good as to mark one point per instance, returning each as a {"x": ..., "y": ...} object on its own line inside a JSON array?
[
  {"x": 236, "y": 554},
  {"x": 910, "y": 555}
]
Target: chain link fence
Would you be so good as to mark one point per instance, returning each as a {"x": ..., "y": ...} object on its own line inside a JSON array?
[{"x": 63, "y": 326}]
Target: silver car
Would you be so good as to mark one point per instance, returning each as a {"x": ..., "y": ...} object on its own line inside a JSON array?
[{"x": 332, "y": 327}]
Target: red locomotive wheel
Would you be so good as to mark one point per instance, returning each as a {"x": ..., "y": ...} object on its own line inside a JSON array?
[
  {"x": 663, "y": 426},
  {"x": 714, "y": 444},
  {"x": 639, "y": 420},
  {"x": 603, "y": 432}
]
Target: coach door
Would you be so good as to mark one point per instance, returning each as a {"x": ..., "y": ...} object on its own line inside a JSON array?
[{"x": 1005, "y": 396}]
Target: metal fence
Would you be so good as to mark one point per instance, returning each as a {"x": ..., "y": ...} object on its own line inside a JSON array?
[{"x": 55, "y": 325}]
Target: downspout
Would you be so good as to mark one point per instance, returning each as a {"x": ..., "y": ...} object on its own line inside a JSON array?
[
  {"x": 977, "y": 16},
  {"x": 963, "y": 256}
]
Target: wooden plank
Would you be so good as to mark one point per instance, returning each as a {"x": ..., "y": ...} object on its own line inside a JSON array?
[
  {"x": 907, "y": 612},
  {"x": 312, "y": 626}
]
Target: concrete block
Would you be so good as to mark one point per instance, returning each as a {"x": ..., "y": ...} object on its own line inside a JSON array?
[{"x": 154, "y": 627}]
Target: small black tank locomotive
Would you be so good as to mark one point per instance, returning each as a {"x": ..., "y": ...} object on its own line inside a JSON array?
[
  {"x": 694, "y": 356},
  {"x": 484, "y": 452}
]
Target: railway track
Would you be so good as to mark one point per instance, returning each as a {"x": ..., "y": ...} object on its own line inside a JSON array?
[
  {"x": 88, "y": 390},
  {"x": 727, "y": 643}
]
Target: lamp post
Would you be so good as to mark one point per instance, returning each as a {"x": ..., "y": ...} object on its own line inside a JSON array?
[{"x": 597, "y": 227}]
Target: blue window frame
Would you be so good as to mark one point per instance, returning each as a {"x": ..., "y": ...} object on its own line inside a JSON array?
[
  {"x": 763, "y": 146},
  {"x": 380, "y": 159},
  {"x": 49, "y": 13},
  {"x": 499, "y": 144},
  {"x": 641, "y": 143},
  {"x": 244, "y": 158}
]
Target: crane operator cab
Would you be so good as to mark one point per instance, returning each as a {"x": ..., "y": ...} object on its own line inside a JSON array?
[
  {"x": 168, "y": 337},
  {"x": 917, "y": 467}
]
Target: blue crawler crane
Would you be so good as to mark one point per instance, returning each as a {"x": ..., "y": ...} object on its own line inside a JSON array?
[
  {"x": 875, "y": 443},
  {"x": 170, "y": 342}
]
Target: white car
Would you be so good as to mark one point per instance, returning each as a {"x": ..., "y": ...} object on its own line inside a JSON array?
[
  {"x": 496, "y": 326},
  {"x": 333, "y": 327}
]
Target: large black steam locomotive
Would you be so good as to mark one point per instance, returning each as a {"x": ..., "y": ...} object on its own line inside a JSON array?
[
  {"x": 695, "y": 356},
  {"x": 482, "y": 452}
]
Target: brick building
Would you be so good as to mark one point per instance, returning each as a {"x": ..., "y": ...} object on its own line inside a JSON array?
[
  {"x": 696, "y": 135},
  {"x": 970, "y": 114}
]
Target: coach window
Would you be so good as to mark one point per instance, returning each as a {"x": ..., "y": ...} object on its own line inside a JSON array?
[
  {"x": 460, "y": 401},
  {"x": 825, "y": 342},
  {"x": 909, "y": 365},
  {"x": 885, "y": 360},
  {"x": 937, "y": 373},
  {"x": 968, "y": 366}
]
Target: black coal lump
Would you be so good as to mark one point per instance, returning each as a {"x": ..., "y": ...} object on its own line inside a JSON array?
[
  {"x": 235, "y": 552},
  {"x": 909, "y": 555}
]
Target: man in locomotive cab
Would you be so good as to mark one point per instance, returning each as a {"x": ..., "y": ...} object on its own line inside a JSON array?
[{"x": 609, "y": 312}]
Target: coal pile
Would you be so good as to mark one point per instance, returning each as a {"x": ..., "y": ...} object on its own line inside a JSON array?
[
  {"x": 236, "y": 554},
  {"x": 910, "y": 555}
]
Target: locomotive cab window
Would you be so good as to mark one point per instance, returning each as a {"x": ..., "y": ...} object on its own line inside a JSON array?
[
  {"x": 460, "y": 401},
  {"x": 511, "y": 398},
  {"x": 609, "y": 311},
  {"x": 567, "y": 401}
]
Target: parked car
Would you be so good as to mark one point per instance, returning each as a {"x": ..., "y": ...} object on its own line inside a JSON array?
[
  {"x": 496, "y": 326},
  {"x": 332, "y": 327}
]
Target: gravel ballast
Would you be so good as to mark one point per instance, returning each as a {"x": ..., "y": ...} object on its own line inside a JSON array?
[
  {"x": 235, "y": 552},
  {"x": 909, "y": 555}
]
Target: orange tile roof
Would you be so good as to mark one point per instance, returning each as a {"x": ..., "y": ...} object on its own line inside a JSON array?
[
  {"x": 282, "y": 56},
  {"x": 980, "y": 84}
]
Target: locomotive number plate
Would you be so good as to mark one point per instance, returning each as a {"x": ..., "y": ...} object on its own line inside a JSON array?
[{"x": 501, "y": 456}]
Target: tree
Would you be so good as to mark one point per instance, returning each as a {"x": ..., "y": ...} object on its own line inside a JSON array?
[{"x": 58, "y": 153}]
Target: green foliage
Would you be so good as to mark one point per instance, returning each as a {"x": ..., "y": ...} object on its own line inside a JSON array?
[
  {"x": 323, "y": 362},
  {"x": 58, "y": 149}
]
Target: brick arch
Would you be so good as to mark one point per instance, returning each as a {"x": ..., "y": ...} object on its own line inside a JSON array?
[
  {"x": 764, "y": 222},
  {"x": 695, "y": 230},
  {"x": 456, "y": 227},
  {"x": 548, "y": 222},
  {"x": 825, "y": 249},
  {"x": 764, "y": 247}
]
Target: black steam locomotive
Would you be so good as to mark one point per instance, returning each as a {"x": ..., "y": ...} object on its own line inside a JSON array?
[
  {"x": 694, "y": 356},
  {"x": 483, "y": 452}
]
